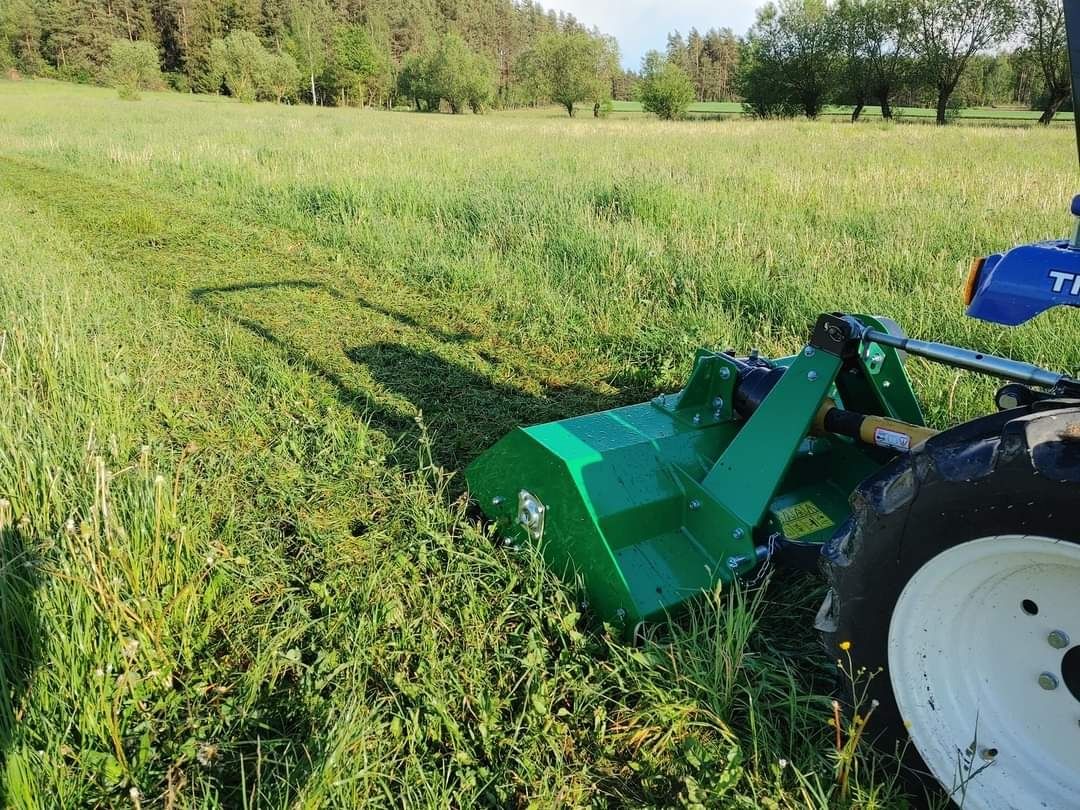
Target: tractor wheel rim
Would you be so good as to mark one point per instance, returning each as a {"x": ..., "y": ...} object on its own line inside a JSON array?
[{"x": 984, "y": 660}]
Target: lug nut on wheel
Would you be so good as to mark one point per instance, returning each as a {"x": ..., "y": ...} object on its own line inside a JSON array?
[
  {"x": 1048, "y": 681},
  {"x": 1058, "y": 639}
]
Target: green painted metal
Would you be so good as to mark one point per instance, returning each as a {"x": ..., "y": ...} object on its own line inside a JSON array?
[
  {"x": 649, "y": 505},
  {"x": 708, "y": 395},
  {"x": 884, "y": 388},
  {"x": 750, "y": 468},
  {"x": 619, "y": 496}
]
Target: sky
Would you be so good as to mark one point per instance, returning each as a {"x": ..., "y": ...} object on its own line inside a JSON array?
[{"x": 642, "y": 25}]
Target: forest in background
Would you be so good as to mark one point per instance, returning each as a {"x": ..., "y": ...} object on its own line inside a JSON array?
[{"x": 71, "y": 39}]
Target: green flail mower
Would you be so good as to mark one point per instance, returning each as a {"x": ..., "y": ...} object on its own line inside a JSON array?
[
  {"x": 952, "y": 558},
  {"x": 654, "y": 503}
]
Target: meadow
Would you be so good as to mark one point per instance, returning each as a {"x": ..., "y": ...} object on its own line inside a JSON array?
[
  {"x": 1001, "y": 115},
  {"x": 246, "y": 350}
]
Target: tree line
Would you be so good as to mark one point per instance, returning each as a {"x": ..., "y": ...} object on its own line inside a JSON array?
[
  {"x": 458, "y": 55},
  {"x": 803, "y": 54}
]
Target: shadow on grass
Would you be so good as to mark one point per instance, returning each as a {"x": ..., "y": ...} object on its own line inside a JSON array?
[
  {"x": 465, "y": 411},
  {"x": 270, "y": 754},
  {"x": 20, "y": 637}
]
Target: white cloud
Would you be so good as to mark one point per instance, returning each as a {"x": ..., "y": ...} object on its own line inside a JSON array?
[{"x": 641, "y": 25}]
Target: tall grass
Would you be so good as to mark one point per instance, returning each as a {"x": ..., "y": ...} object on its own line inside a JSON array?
[{"x": 244, "y": 351}]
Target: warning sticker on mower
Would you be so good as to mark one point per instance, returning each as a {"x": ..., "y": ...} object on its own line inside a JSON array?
[
  {"x": 892, "y": 439},
  {"x": 802, "y": 519}
]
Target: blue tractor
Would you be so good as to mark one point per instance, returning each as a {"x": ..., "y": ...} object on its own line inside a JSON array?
[{"x": 957, "y": 573}]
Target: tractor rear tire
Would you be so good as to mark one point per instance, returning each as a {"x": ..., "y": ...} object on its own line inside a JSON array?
[{"x": 957, "y": 581}]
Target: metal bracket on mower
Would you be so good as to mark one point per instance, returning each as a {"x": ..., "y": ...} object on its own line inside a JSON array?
[
  {"x": 707, "y": 397},
  {"x": 530, "y": 515},
  {"x": 751, "y": 467}
]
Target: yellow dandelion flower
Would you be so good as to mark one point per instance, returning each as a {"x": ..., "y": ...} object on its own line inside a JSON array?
[{"x": 845, "y": 645}]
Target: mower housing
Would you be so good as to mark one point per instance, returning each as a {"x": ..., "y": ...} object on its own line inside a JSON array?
[{"x": 649, "y": 505}]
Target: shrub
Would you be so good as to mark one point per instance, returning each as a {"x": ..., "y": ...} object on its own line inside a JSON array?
[
  {"x": 665, "y": 89},
  {"x": 791, "y": 60},
  {"x": 414, "y": 82},
  {"x": 452, "y": 73},
  {"x": 281, "y": 77},
  {"x": 133, "y": 66},
  {"x": 242, "y": 62},
  {"x": 178, "y": 81},
  {"x": 567, "y": 68},
  {"x": 359, "y": 70}
]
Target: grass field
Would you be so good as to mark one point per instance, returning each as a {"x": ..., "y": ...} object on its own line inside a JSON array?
[
  {"x": 245, "y": 352},
  {"x": 735, "y": 109}
]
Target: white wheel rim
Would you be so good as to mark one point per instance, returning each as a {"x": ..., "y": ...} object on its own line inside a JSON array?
[{"x": 964, "y": 653}]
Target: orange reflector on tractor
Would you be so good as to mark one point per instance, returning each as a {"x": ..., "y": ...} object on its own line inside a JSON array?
[{"x": 972, "y": 280}]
